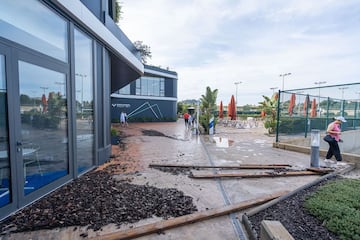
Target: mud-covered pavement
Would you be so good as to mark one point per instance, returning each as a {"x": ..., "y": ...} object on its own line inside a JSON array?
[{"x": 171, "y": 143}]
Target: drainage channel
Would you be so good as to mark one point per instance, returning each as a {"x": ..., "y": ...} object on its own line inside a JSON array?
[{"x": 236, "y": 224}]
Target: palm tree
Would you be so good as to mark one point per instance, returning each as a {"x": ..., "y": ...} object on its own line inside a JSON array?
[
  {"x": 208, "y": 107},
  {"x": 269, "y": 112}
]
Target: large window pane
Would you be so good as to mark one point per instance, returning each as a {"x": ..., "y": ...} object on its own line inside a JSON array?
[
  {"x": 32, "y": 24},
  {"x": 150, "y": 86},
  {"x": 4, "y": 143},
  {"x": 84, "y": 101},
  {"x": 44, "y": 126}
]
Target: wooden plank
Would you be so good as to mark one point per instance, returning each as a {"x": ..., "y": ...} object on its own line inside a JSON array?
[
  {"x": 320, "y": 170},
  {"x": 187, "y": 219},
  {"x": 253, "y": 175},
  {"x": 241, "y": 166}
]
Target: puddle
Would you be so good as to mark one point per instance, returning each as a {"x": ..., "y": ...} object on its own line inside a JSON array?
[{"x": 222, "y": 142}]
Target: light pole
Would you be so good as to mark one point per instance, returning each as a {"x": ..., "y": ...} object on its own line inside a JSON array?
[
  {"x": 342, "y": 92},
  {"x": 44, "y": 88},
  {"x": 319, "y": 83},
  {"x": 342, "y": 97},
  {"x": 61, "y": 84},
  {"x": 299, "y": 109},
  {"x": 236, "y": 84},
  {"x": 283, "y": 79},
  {"x": 273, "y": 89},
  {"x": 358, "y": 101},
  {"x": 82, "y": 92}
]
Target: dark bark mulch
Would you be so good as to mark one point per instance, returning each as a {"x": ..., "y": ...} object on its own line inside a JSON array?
[
  {"x": 95, "y": 200},
  {"x": 295, "y": 218}
]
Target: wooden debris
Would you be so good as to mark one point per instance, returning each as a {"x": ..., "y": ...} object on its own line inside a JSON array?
[
  {"x": 254, "y": 175},
  {"x": 240, "y": 166},
  {"x": 186, "y": 219},
  {"x": 320, "y": 170}
]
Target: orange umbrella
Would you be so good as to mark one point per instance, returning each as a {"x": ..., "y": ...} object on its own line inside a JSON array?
[
  {"x": 228, "y": 110},
  {"x": 44, "y": 102},
  {"x": 306, "y": 103},
  {"x": 292, "y": 104},
  {"x": 313, "y": 108},
  {"x": 233, "y": 108},
  {"x": 263, "y": 114},
  {"x": 221, "y": 110}
]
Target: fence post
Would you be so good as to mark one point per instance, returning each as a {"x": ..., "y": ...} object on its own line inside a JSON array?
[{"x": 278, "y": 119}]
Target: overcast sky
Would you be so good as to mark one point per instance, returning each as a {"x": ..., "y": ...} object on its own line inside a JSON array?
[{"x": 219, "y": 42}]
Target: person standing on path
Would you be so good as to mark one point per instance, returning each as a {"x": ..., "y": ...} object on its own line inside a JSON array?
[
  {"x": 123, "y": 119},
  {"x": 186, "y": 118},
  {"x": 334, "y": 130}
]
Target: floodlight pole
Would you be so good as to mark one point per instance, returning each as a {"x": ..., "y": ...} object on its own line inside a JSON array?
[
  {"x": 319, "y": 83},
  {"x": 236, "y": 84},
  {"x": 283, "y": 79}
]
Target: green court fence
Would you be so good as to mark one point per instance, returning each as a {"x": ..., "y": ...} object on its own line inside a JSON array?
[{"x": 300, "y": 110}]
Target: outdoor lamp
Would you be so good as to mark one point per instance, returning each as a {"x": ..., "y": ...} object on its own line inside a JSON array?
[{"x": 315, "y": 147}]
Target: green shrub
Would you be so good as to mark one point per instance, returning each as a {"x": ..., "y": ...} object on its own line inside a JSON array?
[{"x": 337, "y": 205}]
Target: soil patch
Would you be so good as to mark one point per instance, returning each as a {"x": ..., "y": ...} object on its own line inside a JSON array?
[
  {"x": 95, "y": 200},
  {"x": 295, "y": 218}
]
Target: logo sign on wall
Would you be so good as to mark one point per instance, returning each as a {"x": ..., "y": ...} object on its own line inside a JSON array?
[{"x": 120, "y": 105}]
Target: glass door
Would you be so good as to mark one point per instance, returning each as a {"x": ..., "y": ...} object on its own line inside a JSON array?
[
  {"x": 5, "y": 180},
  {"x": 44, "y": 125}
]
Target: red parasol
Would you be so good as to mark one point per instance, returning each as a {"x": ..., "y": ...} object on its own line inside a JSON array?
[
  {"x": 221, "y": 110},
  {"x": 313, "y": 108},
  {"x": 263, "y": 114},
  {"x": 292, "y": 104},
  {"x": 233, "y": 108},
  {"x": 44, "y": 102}
]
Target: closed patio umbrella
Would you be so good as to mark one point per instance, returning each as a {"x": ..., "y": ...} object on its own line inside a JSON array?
[
  {"x": 221, "y": 110},
  {"x": 233, "y": 108},
  {"x": 292, "y": 104},
  {"x": 313, "y": 108},
  {"x": 44, "y": 102}
]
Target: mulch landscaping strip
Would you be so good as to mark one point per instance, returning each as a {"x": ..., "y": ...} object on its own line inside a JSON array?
[{"x": 187, "y": 219}]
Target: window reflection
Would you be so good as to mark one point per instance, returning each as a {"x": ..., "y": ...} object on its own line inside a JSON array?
[
  {"x": 44, "y": 127},
  {"x": 84, "y": 101},
  {"x": 38, "y": 28},
  {"x": 5, "y": 196},
  {"x": 150, "y": 86}
]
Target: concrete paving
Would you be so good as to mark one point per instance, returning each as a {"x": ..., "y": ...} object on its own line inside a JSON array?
[{"x": 228, "y": 146}]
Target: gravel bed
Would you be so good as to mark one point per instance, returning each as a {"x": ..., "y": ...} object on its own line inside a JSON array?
[
  {"x": 295, "y": 218},
  {"x": 95, "y": 200}
]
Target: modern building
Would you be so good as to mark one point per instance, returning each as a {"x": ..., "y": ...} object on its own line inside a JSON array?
[
  {"x": 152, "y": 97},
  {"x": 59, "y": 62}
]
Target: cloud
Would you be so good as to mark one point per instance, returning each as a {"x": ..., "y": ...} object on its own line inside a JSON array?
[{"x": 218, "y": 42}]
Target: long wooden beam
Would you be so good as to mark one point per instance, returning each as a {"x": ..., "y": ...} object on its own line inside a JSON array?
[
  {"x": 253, "y": 175},
  {"x": 186, "y": 219},
  {"x": 240, "y": 166}
]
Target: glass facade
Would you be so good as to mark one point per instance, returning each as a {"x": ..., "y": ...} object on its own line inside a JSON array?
[
  {"x": 125, "y": 90},
  {"x": 84, "y": 101},
  {"x": 150, "y": 86},
  {"x": 5, "y": 194},
  {"x": 39, "y": 29},
  {"x": 44, "y": 128}
]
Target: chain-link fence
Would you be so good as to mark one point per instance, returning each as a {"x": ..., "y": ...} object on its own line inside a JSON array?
[{"x": 300, "y": 110}]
